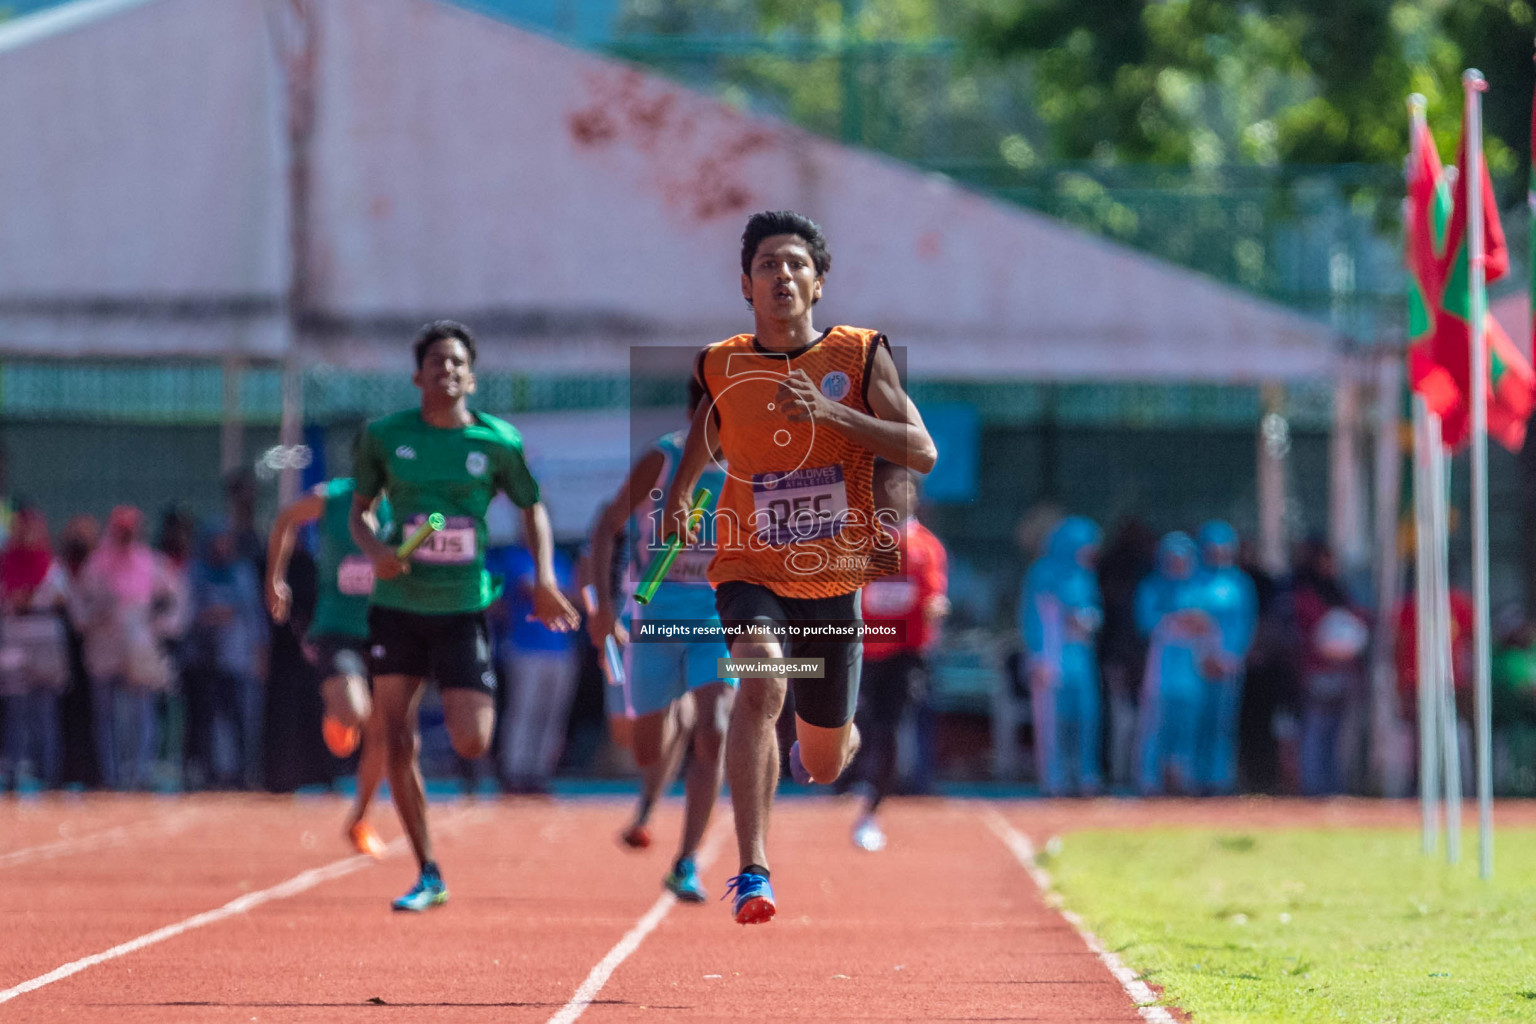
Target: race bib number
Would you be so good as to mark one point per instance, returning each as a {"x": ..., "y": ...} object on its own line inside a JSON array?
[
  {"x": 690, "y": 567},
  {"x": 354, "y": 577},
  {"x": 890, "y": 599},
  {"x": 454, "y": 544},
  {"x": 807, "y": 504}
]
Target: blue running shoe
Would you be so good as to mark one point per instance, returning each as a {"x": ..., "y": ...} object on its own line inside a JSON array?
[
  {"x": 428, "y": 892},
  {"x": 797, "y": 767},
  {"x": 754, "y": 899},
  {"x": 684, "y": 882}
]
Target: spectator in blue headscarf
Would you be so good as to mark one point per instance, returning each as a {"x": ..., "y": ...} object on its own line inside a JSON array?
[
  {"x": 1059, "y": 615},
  {"x": 1233, "y": 604},
  {"x": 1172, "y": 610}
]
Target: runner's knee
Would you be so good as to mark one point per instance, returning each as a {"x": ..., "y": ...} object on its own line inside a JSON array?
[
  {"x": 825, "y": 763},
  {"x": 761, "y": 699},
  {"x": 469, "y": 717},
  {"x": 648, "y": 737},
  {"x": 402, "y": 742},
  {"x": 470, "y": 743},
  {"x": 708, "y": 738}
]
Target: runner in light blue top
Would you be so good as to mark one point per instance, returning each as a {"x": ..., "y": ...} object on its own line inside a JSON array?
[{"x": 670, "y": 691}]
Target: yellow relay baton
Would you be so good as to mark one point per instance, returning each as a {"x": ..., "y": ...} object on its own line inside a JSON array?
[
  {"x": 658, "y": 570},
  {"x": 434, "y": 522}
]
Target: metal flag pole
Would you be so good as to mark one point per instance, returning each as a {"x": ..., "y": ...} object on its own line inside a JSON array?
[
  {"x": 1424, "y": 633},
  {"x": 1442, "y": 679},
  {"x": 1473, "y": 85}
]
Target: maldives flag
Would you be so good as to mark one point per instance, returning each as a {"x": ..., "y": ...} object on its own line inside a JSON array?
[
  {"x": 1426, "y": 219},
  {"x": 1441, "y": 367}
]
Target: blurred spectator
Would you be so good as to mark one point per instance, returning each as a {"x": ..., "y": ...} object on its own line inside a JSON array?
[
  {"x": 175, "y": 542},
  {"x": 896, "y": 672},
  {"x": 1172, "y": 610},
  {"x": 240, "y": 502},
  {"x": 123, "y": 582},
  {"x": 34, "y": 651},
  {"x": 1059, "y": 615},
  {"x": 1332, "y": 638},
  {"x": 77, "y": 722},
  {"x": 225, "y": 661},
  {"x": 1233, "y": 605},
  {"x": 1514, "y": 705},
  {"x": 539, "y": 667},
  {"x": 1407, "y": 653},
  {"x": 1270, "y": 686},
  {"x": 1127, "y": 561}
]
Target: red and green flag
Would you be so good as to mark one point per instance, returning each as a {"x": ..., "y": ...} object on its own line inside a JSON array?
[
  {"x": 1440, "y": 363},
  {"x": 1427, "y": 218}
]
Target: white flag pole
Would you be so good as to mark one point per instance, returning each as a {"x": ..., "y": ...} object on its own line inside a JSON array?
[
  {"x": 1473, "y": 85},
  {"x": 1424, "y": 629},
  {"x": 1443, "y": 679}
]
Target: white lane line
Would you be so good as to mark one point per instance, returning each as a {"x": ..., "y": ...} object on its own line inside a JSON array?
[
  {"x": 295, "y": 885},
  {"x": 167, "y": 825},
  {"x": 600, "y": 974},
  {"x": 1024, "y": 852}
]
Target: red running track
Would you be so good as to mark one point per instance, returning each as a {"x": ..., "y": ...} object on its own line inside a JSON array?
[{"x": 944, "y": 925}]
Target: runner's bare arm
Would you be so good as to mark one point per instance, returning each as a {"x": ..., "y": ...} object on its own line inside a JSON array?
[
  {"x": 280, "y": 549},
  {"x": 895, "y": 432},
  {"x": 549, "y": 605},
  {"x": 642, "y": 477},
  {"x": 386, "y": 563},
  {"x": 696, "y": 454}
]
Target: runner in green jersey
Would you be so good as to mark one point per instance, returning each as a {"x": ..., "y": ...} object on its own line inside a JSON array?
[
  {"x": 337, "y": 638},
  {"x": 428, "y": 613}
]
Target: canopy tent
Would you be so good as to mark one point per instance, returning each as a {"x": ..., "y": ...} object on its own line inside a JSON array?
[
  {"x": 565, "y": 205},
  {"x": 142, "y": 175}
]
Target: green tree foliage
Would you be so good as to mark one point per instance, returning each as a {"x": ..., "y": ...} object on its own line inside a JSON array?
[{"x": 1205, "y": 82}]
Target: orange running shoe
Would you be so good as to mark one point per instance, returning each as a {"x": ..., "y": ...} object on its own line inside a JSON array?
[
  {"x": 340, "y": 739},
  {"x": 366, "y": 840},
  {"x": 636, "y": 837}
]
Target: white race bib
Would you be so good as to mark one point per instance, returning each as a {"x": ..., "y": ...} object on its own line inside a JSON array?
[
  {"x": 454, "y": 544},
  {"x": 690, "y": 566},
  {"x": 354, "y": 577},
  {"x": 807, "y": 504}
]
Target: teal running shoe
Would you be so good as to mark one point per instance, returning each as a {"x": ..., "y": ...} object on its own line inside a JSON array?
[
  {"x": 753, "y": 899},
  {"x": 428, "y": 892},
  {"x": 684, "y": 882}
]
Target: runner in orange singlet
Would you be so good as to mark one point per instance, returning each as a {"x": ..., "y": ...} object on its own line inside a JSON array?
[{"x": 799, "y": 417}]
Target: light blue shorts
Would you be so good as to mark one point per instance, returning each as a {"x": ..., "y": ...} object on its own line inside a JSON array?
[{"x": 656, "y": 674}]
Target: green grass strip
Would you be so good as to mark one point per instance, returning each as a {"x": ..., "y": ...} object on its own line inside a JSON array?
[{"x": 1311, "y": 925}]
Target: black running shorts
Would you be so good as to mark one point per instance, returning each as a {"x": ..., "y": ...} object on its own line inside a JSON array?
[
  {"x": 828, "y": 702},
  {"x": 453, "y": 650}
]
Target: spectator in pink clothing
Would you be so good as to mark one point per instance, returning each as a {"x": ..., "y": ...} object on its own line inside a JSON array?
[
  {"x": 127, "y": 591},
  {"x": 34, "y": 651}
]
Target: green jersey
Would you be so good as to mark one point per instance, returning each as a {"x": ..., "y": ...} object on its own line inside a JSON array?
[
  {"x": 345, "y": 574},
  {"x": 456, "y": 471}
]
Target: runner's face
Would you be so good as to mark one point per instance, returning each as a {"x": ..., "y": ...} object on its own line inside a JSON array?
[
  {"x": 445, "y": 372},
  {"x": 783, "y": 283}
]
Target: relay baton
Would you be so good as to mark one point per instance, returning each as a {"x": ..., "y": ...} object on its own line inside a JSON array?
[
  {"x": 613, "y": 661},
  {"x": 434, "y": 522},
  {"x": 658, "y": 570}
]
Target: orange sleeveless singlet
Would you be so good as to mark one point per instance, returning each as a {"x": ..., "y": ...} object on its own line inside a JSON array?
[{"x": 797, "y": 514}]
